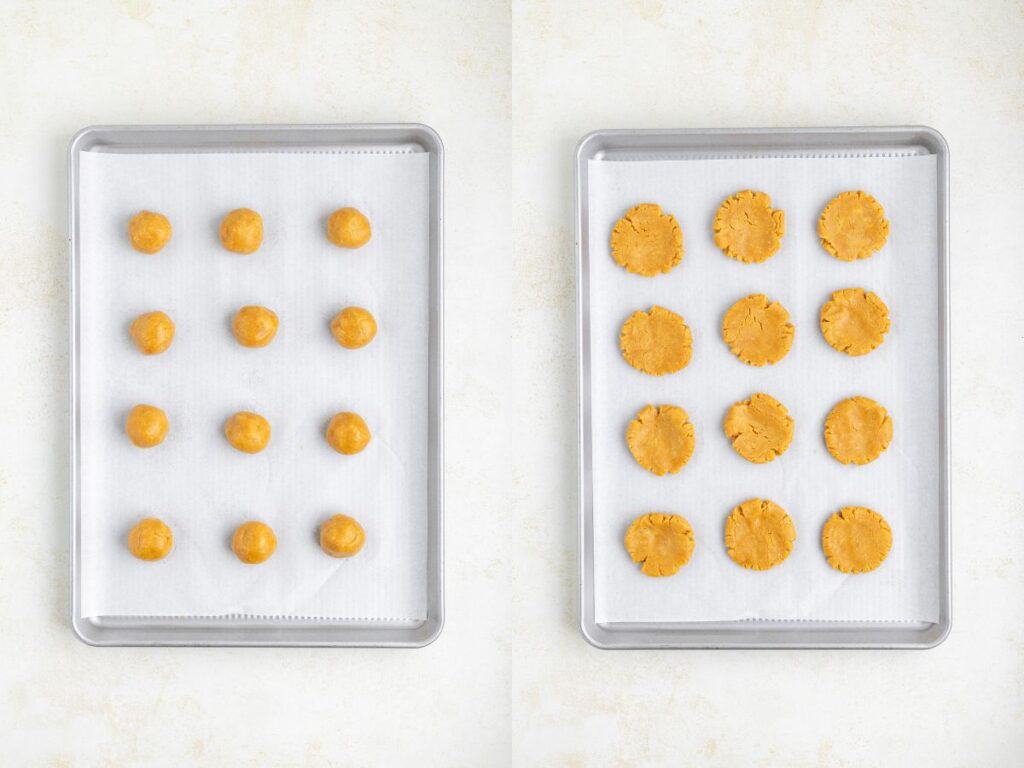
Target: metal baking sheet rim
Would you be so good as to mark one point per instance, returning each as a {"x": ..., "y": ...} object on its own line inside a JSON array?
[
  {"x": 269, "y": 631},
  {"x": 756, "y": 634}
]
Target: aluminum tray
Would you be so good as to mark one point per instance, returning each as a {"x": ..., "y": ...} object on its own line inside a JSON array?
[
  {"x": 757, "y": 142},
  {"x": 100, "y": 630}
]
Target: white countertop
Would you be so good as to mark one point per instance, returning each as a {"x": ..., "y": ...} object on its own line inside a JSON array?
[{"x": 511, "y": 681}]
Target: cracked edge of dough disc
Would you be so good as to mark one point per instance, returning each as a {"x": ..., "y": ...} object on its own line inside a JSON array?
[
  {"x": 856, "y": 522},
  {"x": 640, "y": 359},
  {"x": 736, "y": 411},
  {"x": 659, "y": 413},
  {"x": 832, "y": 438},
  {"x": 774, "y": 222},
  {"x": 760, "y": 509},
  {"x": 844, "y": 300},
  {"x": 621, "y": 254},
  {"x": 876, "y": 210},
  {"x": 676, "y": 525}
]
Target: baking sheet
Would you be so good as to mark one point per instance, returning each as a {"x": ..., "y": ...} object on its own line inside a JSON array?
[
  {"x": 194, "y": 481},
  {"x": 904, "y": 484}
]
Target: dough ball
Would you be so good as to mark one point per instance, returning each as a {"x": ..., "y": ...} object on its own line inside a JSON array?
[
  {"x": 857, "y": 430},
  {"x": 747, "y": 228},
  {"x": 759, "y": 534},
  {"x": 348, "y": 228},
  {"x": 758, "y": 331},
  {"x": 253, "y": 542},
  {"x": 660, "y": 542},
  {"x": 149, "y": 232},
  {"x": 146, "y": 426},
  {"x": 150, "y": 539},
  {"x": 247, "y": 431},
  {"x": 760, "y": 428},
  {"x": 856, "y": 540},
  {"x": 656, "y": 342},
  {"x": 347, "y": 433},
  {"x": 646, "y": 241},
  {"x": 353, "y": 327},
  {"x": 854, "y": 321},
  {"x": 254, "y": 326},
  {"x": 342, "y": 536},
  {"x": 853, "y": 226},
  {"x": 152, "y": 332},
  {"x": 241, "y": 231},
  {"x": 661, "y": 439}
]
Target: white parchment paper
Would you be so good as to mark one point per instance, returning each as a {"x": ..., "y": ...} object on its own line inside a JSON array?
[
  {"x": 195, "y": 481},
  {"x": 902, "y": 374}
]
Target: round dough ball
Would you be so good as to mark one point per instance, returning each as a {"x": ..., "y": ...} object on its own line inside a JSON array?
[
  {"x": 247, "y": 431},
  {"x": 853, "y": 226},
  {"x": 353, "y": 327},
  {"x": 646, "y": 241},
  {"x": 656, "y": 342},
  {"x": 152, "y": 332},
  {"x": 758, "y": 331},
  {"x": 660, "y": 542},
  {"x": 661, "y": 439},
  {"x": 760, "y": 428},
  {"x": 348, "y": 228},
  {"x": 253, "y": 542},
  {"x": 150, "y": 539},
  {"x": 347, "y": 433},
  {"x": 241, "y": 231},
  {"x": 149, "y": 232},
  {"x": 342, "y": 536},
  {"x": 254, "y": 326},
  {"x": 857, "y": 430},
  {"x": 854, "y": 321},
  {"x": 146, "y": 426},
  {"x": 759, "y": 534},
  {"x": 856, "y": 540},
  {"x": 747, "y": 228}
]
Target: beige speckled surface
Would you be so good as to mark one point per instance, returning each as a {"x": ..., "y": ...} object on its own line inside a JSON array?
[{"x": 511, "y": 87}]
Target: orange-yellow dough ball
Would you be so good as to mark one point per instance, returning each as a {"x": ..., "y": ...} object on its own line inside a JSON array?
[
  {"x": 347, "y": 433},
  {"x": 253, "y": 542},
  {"x": 353, "y": 327},
  {"x": 152, "y": 332},
  {"x": 149, "y": 232},
  {"x": 146, "y": 425},
  {"x": 254, "y": 326},
  {"x": 348, "y": 228},
  {"x": 247, "y": 431},
  {"x": 342, "y": 536},
  {"x": 150, "y": 539},
  {"x": 241, "y": 231}
]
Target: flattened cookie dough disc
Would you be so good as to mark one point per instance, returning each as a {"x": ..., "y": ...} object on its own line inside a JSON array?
[
  {"x": 857, "y": 430},
  {"x": 760, "y": 428},
  {"x": 747, "y": 228},
  {"x": 646, "y": 241},
  {"x": 856, "y": 540},
  {"x": 656, "y": 342},
  {"x": 660, "y": 542},
  {"x": 854, "y": 321},
  {"x": 853, "y": 226},
  {"x": 661, "y": 438},
  {"x": 759, "y": 534},
  {"x": 758, "y": 331}
]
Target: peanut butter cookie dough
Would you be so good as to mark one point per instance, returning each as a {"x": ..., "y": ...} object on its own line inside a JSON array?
[
  {"x": 759, "y": 534},
  {"x": 241, "y": 231},
  {"x": 656, "y": 342},
  {"x": 661, "y": 438},
  {"x": 347, "y": 433},
  {"x": 348, "y": 228},
  {"x": 760, "y": 428},
  {"x": 247, "y": 432},
  {"x": 758, "y": 331},
  {"x": 254, "y": 326},
  {"x": 646, "y": 241},
  {"x": 152, "y": 332},
  {"x": 857, "y": 430},
  {"x": 853, "y": 226},
  {"x": 342, "y": 536},
  {"x": 856, "y": 540},
  {"x": 146, "y": 426},
  {"x": 747, "y": 228},
  {"x": 149, "y": 232},
  {"x": 253, "y": 542},
  {"x": 854, "y": 321},
  {"x": 660, "y": 542},
  {"x": 353, "y": 327},
  {"x": 150, "y": 539}
]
